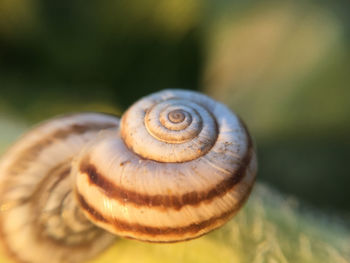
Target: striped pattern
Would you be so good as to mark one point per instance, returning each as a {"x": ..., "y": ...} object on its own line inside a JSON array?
[
  {"x": 138, "y": 214},
  {"x": 40, "y": 220},
  {"x": 176, "y": 202},
  {"x": 155, "y": 232},
  {"x": 29, "y": 154},
  {"x": 129, "y": 193}
]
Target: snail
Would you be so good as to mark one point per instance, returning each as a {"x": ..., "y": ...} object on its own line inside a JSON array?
[{"x": 176, "y": 166}]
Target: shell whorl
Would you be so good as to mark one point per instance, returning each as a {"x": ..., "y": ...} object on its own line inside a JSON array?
[
  {"x": 170, "y": 127},
  {"x": 40, "y": 220},
  {"x": 178, "y": 166},
  {"x": 140, "y": 184}
]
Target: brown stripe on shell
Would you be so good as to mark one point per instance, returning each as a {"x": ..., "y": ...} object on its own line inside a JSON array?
[
  {"x": 61, "y": 176},
  {"x": 151, "y": 231},
  {"x": 60, "y": 173},
  {"x": 22, "y": 160},
  {"x": 176, "y": 202},
  {"x": 54, "y": 177},
  {"x": 91, "y": 211},
  {"x": 29, "y": 154}
]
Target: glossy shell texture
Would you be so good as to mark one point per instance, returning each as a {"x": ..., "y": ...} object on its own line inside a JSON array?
[
  {"x": 180, "y": 166},
  {"x": 40, "y": 220}
]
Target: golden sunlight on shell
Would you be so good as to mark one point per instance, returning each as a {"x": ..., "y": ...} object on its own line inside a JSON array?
[
  {"x": 180, "y": 166},
  {"x": 40, "y": 221}
]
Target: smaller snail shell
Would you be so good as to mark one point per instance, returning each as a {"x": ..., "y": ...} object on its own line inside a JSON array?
[
  {"x": 40, "y": 220},
  {"x": 180, "y": 166}
]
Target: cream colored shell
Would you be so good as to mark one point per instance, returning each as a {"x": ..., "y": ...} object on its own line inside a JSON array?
[
  {"x": 177, "y": 166},
  {"x": 181, "y": 165},
  {"x": 40, "y": 221}
]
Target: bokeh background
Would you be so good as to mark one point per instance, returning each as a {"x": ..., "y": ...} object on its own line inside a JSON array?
[{"x": 283, "y": 66}]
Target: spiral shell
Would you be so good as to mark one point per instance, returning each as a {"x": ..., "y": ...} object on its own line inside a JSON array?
[
  {"x": 40, "y": 220},
  {"x": 180, "y": 166},
  {"x": 177, "y": 166}
]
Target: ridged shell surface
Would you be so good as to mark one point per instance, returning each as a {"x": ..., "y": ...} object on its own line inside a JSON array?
[
  {"x": 180, "y": 166},
  {"x": 40, "y": 220}
]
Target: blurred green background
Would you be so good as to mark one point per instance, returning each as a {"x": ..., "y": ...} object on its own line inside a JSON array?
[{"x": 283, "y": 66}]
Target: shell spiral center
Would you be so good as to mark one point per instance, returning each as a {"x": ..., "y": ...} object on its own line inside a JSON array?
[
  {"x": 176, "y": 130},
  {"x": 177, "y": 116}
]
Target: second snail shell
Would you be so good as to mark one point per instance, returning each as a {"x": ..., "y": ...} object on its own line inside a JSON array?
[{"x": 179, "y": 166}]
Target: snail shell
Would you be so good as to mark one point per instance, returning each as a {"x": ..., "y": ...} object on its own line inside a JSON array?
[
  {"x": 39, "y": 218},
  {"x": 177, "y": 166},
  {"x": 180, "y": 165}
]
